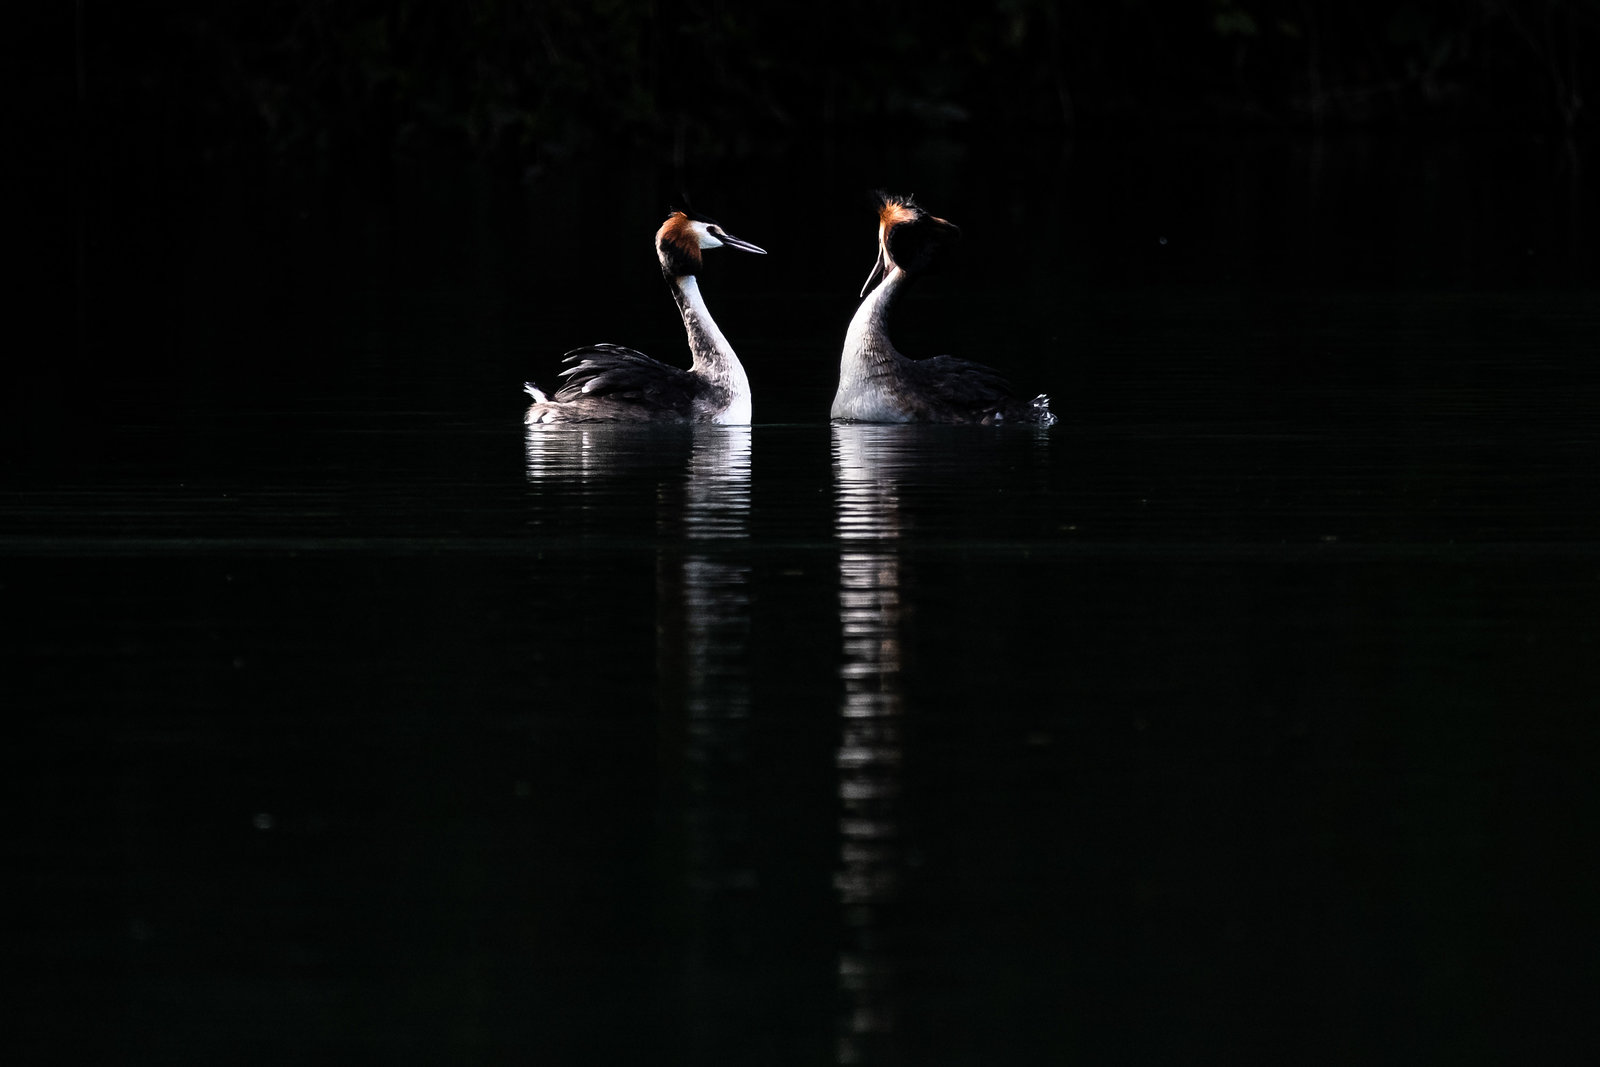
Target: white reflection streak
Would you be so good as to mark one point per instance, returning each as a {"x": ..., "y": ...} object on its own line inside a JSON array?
[
  {"x": 716, "y": 598},
  {"x": 703, "y": 582},
  {"x": 867, "y": 523},
  {"x": 553, "y": 450}
]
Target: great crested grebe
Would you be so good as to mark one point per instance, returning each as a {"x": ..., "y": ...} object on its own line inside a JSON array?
[
  {"x": 877, "y": 383},
  {"x": 609, "y": 383}
]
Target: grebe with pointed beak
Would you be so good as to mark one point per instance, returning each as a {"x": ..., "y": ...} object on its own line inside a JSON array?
[
  {"x": 609, "y": 383},
  {"x": 876, "y": 382}
]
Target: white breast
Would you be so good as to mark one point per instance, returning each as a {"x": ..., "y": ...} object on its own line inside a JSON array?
[
  {"x": 738, "y": 413},
  {"x": 863, "y": 395}
]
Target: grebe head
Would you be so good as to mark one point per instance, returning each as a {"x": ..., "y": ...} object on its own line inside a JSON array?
[
  {"x": 908, "y": 238},
  {"x": 685, "y": 234}
]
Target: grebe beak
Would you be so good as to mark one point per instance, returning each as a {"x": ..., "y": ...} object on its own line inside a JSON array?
[
  {"x": 730, "y": 241},
  {"x": 879, "y": 268}
]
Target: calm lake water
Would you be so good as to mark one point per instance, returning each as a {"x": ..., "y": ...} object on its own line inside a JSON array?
[{"x": 1242, "y": 716}]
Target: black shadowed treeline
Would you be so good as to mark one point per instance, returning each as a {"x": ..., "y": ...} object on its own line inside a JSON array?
[{"x": 531, "y": 83}]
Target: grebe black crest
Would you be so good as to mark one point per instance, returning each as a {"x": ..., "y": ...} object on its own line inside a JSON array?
[
  {"x": 876, "y": 382},
  {"x": 609, "y": 383}
]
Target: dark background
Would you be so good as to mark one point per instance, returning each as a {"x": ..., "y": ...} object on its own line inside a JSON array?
[
  {"x": 1306, "y": 570},
  {"x": 170, "y": 149},
  {"x": 537, "y": 85}
]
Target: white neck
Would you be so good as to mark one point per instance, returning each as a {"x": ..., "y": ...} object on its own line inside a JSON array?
[
  {"x": 714, "y": 359},
  {"x": 868, "y": 356}
]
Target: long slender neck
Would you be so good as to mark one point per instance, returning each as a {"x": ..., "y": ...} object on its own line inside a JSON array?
[
  {"x": 714, "y": 359},
  {"x": 867, "y": 349},
  {"x": 711, "y": 350}
]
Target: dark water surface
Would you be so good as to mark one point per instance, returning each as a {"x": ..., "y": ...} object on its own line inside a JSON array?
[{"x": 1244, "y": 716}]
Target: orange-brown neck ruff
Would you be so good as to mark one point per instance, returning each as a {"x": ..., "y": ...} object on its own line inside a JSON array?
[
  {"x": 909, "y": 237},
  {"x": 894, "y": 211},
  {"x": 678, "y": 246}
]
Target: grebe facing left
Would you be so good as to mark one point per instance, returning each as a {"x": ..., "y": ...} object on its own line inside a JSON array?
[
  {"x": 876, "y": 382},
  {"x": 609, "y": 383}
]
